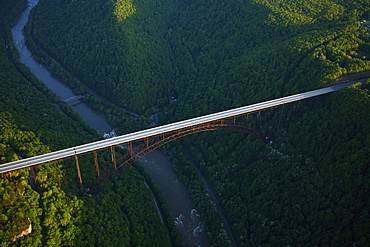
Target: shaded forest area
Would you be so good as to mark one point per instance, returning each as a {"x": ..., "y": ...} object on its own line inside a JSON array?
[
  {"x": 182, "y": 59},
  {"x": 121, "y": 214}
]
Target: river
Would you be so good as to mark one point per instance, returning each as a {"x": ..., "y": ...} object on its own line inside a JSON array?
[{"x": 155, "y": 163}]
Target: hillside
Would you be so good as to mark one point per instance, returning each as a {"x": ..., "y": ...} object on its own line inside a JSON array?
[
  {"x": 202, "y": 53},
  {"x": 59, "y": 214},
  {"x": 182, "y": 59}
]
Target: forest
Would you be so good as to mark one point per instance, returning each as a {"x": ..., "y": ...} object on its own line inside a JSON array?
[
  {"x": 180, "y": 59},
  {"x": 121, "y": 214}
]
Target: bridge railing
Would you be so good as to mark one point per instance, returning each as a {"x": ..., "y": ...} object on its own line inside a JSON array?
[{"x": 141, "y": 135}]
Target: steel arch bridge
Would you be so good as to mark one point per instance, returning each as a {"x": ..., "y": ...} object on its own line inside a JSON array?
[
  {"x": 158, "y": 136},
  {"x": 150, "y": 144}
]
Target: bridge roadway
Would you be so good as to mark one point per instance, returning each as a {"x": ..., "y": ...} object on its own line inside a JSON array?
[{"x": 143, "y": 134}]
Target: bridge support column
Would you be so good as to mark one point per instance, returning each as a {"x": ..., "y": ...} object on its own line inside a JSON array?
[
  {"x": 79, "y": 173},
  {"x": 130, "y": 149},
  {"x": 113, "y": 156},
  {"x": 57, "y": 175},
  {"x": 96, "y": 163},
  {"x": 147, "y": 142}
]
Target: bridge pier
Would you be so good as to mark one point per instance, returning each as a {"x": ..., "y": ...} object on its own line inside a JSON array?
[
  {"x": 183, "y": 128},
  {"x": 147, "y": 142},
  {"x": 130, "y": 149},
  {"x": 79, "y": 173},
  {"x": 113, "y": 156},
  {"x": 96, "y": 163}
]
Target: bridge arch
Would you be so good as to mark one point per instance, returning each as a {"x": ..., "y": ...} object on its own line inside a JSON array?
[{"x": 148, "y": 145}]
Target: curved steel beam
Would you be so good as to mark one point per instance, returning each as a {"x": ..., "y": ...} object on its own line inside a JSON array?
[
  {"x": 164, "y": 129},
  {"x": 152, "y": 143}
]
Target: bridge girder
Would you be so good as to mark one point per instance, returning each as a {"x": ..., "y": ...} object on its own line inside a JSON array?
[{"x": 150, "y": 144}]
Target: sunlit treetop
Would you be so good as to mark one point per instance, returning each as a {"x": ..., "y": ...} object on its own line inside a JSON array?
[
  {"x": 124, "y": 9},
  {"x": 293, "y": 12}
]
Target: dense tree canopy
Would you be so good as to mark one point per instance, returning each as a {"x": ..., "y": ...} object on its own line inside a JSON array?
[
  {"x": 200, "y": 51},
  {"x": 32, "y": 122},
  {"x": 309, "y": 186},
  {"x": 181, "y": 59}
]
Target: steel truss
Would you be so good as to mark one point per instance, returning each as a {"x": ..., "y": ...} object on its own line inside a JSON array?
[{"x": 150, "y": 144}]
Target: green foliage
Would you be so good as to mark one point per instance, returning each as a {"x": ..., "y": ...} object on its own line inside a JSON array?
[
  {"x": 203, "y": 202},
  {"x": 123, "y": 9},
  {"x": 130, "y": 65},
  {"x": 60, "y": 215},
  {"x": 123, "y": 214},
  {"x": 30, "y": 124},
  {"x": 198, "y": 52},
  {"x": 186, "y": 58},
  {"x": 20, "y": 202},
  {"x": 308, "y": 187},
  {"x": 17, "y": 144},
  {"x": 19, "y": 208},
  {"x": 295, "y": 12}
]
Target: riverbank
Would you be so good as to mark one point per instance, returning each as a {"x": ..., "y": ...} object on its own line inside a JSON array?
[{"x": 183, "y": 206}]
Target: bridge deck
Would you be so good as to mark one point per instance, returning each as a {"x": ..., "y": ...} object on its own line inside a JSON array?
[{"x": 139, "y": 135}]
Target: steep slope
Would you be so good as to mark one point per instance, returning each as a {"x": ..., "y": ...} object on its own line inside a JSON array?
[
  {"x": 210, "y": 56},
  {"x": 201, "y": 53},
  {"x": 124, "y": 59},
  {"x": 59, "y": 214}
]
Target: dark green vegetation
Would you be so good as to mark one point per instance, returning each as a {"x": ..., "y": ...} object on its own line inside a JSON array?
[
  {"x": 121, "y": 214},
  {"x": 182, "y": 59},
  {"x": 208, "y": 55},
  {"x": 311, "y": 186}
]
